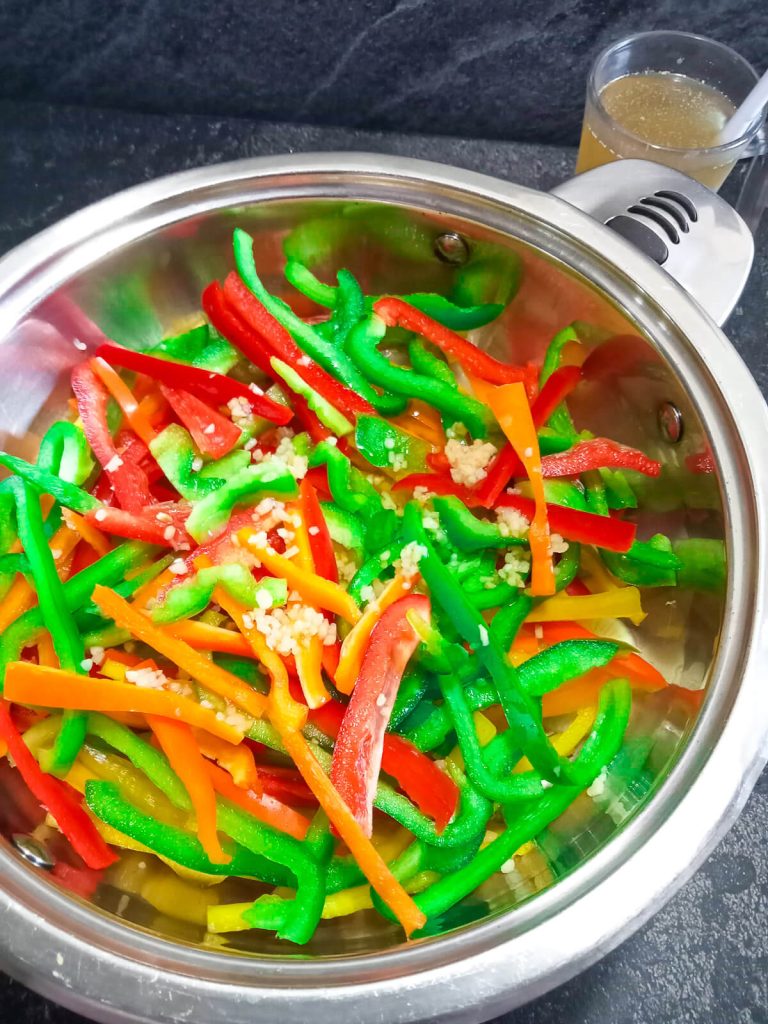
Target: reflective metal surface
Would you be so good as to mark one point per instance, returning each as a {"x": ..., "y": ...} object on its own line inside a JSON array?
[{"x": 133, "y": 266}]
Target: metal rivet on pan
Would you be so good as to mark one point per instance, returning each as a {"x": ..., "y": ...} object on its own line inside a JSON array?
[
  {"x": 670, "y": 422},
  {"x": 451, "y": 248},
  {"x": 33, "y": 850}
]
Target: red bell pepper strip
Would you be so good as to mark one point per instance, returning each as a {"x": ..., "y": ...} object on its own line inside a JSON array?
[
  {"x": 396, "y": 313},
  {"x": 285, "y": 785},
  {"x": 144, "y": 525},
  {"x": 215, "y": 388},
  {"x": 213, "y": 433},
  {"x": 500, "y": 472},
  {"x": 599, "y": 453},
  {"x": 236, "y": 331},
  {"x": 83, "y": 882},
  {"x": 318, "y": 477},
  {"x": 584, "y": 527},
  {"x": 129, "y": 481},
  {"x": 433, "y": 792},
  {"x": 56, "y": 797},
  {"x": 359, "y": 746},
  {"x": 320, "y": 542},
  {"x": 557, "y": 387},
  {"x": 436, "y": 483},
  {"x": 245, "y": 304}
]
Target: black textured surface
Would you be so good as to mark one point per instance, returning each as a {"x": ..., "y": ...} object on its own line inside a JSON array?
[
  {"x": 704, "y": 958},
  {"x": 493, "y": 69}
]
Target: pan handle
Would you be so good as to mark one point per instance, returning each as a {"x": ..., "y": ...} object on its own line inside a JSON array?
[{"x": 693, "y": 234}]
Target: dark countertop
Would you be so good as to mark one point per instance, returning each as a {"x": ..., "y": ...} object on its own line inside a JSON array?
[{"x": 704, "y": 958}]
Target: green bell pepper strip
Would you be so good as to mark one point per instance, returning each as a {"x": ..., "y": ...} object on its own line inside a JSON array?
[
  {"x": 618, "y": 492},
  {"x": 349, "y": 307},
  {"x": 374, "y": 567},
  {"x": 551, "y": 443},
  {"x": 323, "y": 409},
  {"x": 522, "y": 714},
  {"x": 43, "y": 482},
  {"x": 413, "y": 686},
  {"x": 485, "y": 598},
  {"x": 201, "y": 346},
  {"x": 65, "y": 451},
  {"x": 349, "y": 488},
  {"x": 12, "y": 564},
  {"x": 211, "y": 515},
  {"x": 193, "y": 596},
  {"x": 344, "y": 527},
  {"x": 567, "y": 567},
  {"x": 8, "y": 534},
  {"x": 387, "y": 447},
  {"x": 597, "y": 501},
  {"x": 248, "y": 833},
  {"x": 106, "y": 803},
  {"x": 67, "y": 641},
  {"x": 363, "y": 348},
  {"x": 428, "y": 363},
  {"x": 702, "y": 563},
  {"x": 465, "y": 531},
  {"x": 538, "y": 675},
  {"x": 507, "y": 621},
  {"x": 74, "y": 592},
  {"x": 175, "y": 453},
  {"x": 563, "y": 492},
  {"x": 528, "y": 821},
  {"x": 435, "y": 306},
  {"x": 650, "y": 563},
  {"x": 560, "y": 420},
  {"x": 329, "y": 356},
  {"x": 88, "y": 617}
]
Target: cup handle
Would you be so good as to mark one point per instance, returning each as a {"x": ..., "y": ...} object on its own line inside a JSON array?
[{"x": 690, "y": 231}]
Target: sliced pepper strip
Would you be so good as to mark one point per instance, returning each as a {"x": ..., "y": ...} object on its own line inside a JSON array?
[
  {"x": 211, "y": 514},
  {"x": 622, "y": 603},
  {"x": 360, "y": 742},
  {"x": 264, "y": 808},
  {"x": 320, "y": 541},
  {"x": 55, "y": 796},
  {"x": 183, "y": 753},
  {"x": 396, "y": 313},
  {"x": 124, "y": 397},
  {"x": 199, "y": 667},
  {"x": 143, "y": 524},
  {"x": 213, "y": 433},
  {"x": 213, "y": 388},
  {"x": 356, "y": 641},
  {"x": 317, "y": 591},
  {"x": 369, "y": 861},
  {"x": 54, "y": 688},
  {"x": 598, "y": 453},
  {"x": 510, "y": 406}
]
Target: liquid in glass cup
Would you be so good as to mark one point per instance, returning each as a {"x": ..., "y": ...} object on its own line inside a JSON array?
[{"x": 666, "y": 96}]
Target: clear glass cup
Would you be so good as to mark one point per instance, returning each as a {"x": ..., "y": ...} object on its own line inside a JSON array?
[{"x": 664, "y": 96}]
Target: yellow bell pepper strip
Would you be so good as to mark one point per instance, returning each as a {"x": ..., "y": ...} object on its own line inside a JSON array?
[
  {"x": 314, "y": 589},
  {"x": 179, "y": 746},
  {"x": 309, "y": 667},
  {"x": 124, "y": 397},
  {"x": 509, "y": 405},
  {"x": 340, "y": 816},
  {"x": 565, "y": 742},
  {"x": 26, "y": 683},
  {"x": 280, "y": 692},
  {"x": 621, "y": 603},
  {"x": 356, "y": 640},
  {"x": 196, "y": 665}
]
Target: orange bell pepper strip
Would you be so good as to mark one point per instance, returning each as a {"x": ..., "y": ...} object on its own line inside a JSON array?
[
  {"x": 237, "y": 760},
  {"x": 46, "y": 655},
  {"x": 313, "y": 588},
  {"x": 356, "y": 640},
  {"x": 179, "y": 746},
  {"x": 265, "y": 808},
  {"x": 280, "y": 692},
  {"x": 26, "y": 683},
  {"x": 213, "y": 678},
  {"x": 509, "y": 404},
  {"x": 309, "y": 656},
  {"x": 369, "y": 861},
  {"x": 124, "y": 397},
  {"x": 21, "y": 597},
  {"x": 95, "y": 538},
  {"x": 204, "y": 636}
]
